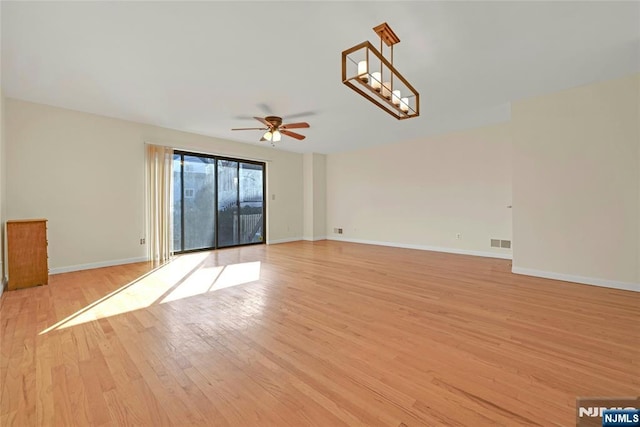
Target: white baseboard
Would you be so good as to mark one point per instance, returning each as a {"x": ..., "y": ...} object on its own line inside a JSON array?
[
  {"x": 111, "y": 263},
  {"x": 426, "y": 248},
  {"x": 291, "y": 239},
  {"x": 626, "y": 286},
  {"x": 314, "y": 239}
]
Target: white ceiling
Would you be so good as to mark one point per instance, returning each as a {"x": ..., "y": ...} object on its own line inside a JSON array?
[{"x": 207, "y": 67}]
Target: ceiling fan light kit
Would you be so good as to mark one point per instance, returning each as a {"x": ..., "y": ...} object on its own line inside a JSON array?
[
  {"x": 368, "y": 72},
  {"x": 275, "y": 129},
  {"x": 274, "y": 136}
]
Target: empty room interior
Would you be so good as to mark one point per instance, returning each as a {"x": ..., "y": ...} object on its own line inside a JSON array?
[{"x": 260, "y": 213}]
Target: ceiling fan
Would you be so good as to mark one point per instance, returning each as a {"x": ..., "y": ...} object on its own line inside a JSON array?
[{"x": 275, "y": 129}]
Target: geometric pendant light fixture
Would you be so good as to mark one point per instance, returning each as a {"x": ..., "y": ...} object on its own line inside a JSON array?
[{"x": 368, "y": 72}]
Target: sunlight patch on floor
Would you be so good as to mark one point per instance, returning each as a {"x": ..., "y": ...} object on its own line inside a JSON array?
[
  {"x": 183, "y": 277},
  {"x": 199, "y": 282},
  {"x": 238, "y": 274}
]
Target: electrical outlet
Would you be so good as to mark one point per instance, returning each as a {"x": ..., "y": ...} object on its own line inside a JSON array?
[
  {"x": 458, "y": 236},
  {"x": 142, "y": 241},
  {"x": 339, "y": 230}
]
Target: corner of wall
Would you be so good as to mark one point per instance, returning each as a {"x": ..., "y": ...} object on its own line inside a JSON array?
[
  {"x": 319, "y": 196},
  {"x": 576, "y": 184},
  {"x": 307, "y": 197},
  {"x": 314, "y": 203}
]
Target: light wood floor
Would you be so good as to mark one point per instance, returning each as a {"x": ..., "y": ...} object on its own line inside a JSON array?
[{"x": 323, "y": 333}]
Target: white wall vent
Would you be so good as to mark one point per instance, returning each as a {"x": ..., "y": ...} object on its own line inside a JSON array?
[{"x": 497, "y": 243}]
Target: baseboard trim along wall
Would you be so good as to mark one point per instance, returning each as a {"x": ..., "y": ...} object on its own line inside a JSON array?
[
  {"x": 314, "y": 239},
  {"x": 625, "y": 286},
  {"x": 291, "y": 239},
  {"x": 89, "y": 266},
  {"x": 111, "y": 263},
  {"x": 425, "y": 248}
]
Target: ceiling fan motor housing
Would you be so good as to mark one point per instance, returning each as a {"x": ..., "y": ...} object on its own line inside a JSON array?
[{"x": 274, "y": 120}]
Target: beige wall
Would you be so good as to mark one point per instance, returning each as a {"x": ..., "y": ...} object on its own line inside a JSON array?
[
  {"x": 576, "y": 184},
  {"x": 2, "y": 191},
  {"x": 307, "y": 212},
  {"x": 85, "y": 174},
  {"x": 423, "y": 193},
  {"x": 573, "y": 158},
  {"x": 319, "y": 196},
  {"x": 315, "y": 180}
]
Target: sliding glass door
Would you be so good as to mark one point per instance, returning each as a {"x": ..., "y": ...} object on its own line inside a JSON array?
[
  {"x": 240, "y": 203},
  {"x": 198, "y": 224},
  {"x": 218, "y": 202},
  {"x": 228, "y": 203},
  {"x": 251, "y": 202}
]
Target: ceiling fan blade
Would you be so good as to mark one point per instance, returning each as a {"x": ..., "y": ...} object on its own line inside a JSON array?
[
  {"x": 263, "y": 121},
  {"x": 301, "y": 114},
  {"x": 249, "y": 129},
  {"x": 295, "y": 125},
  {"x": 262, "y": 139},
  {"x": 292, "y": 134},
  {"x": 265, "y": 107}
]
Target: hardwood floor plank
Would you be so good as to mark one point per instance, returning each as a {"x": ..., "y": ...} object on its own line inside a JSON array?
[
  {"x": 44, "y": 383},
  {"x": 97, "y": 378},
  {"x": 313, "y": 334}
]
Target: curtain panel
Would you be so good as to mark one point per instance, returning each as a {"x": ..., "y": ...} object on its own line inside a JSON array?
[{"x": 158, "y": 202}]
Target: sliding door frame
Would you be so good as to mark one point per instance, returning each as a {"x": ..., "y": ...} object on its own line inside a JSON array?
[{"x": 216, "y": 227}]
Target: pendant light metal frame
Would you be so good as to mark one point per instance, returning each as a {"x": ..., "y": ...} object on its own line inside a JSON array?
[{"x": 363, "y": 85}]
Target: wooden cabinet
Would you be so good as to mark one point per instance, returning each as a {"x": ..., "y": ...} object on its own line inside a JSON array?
[{"x": 27, "y": 253}]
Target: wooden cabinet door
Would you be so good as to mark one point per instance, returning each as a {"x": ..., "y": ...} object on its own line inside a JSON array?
[{"x": 27, "y": 253}]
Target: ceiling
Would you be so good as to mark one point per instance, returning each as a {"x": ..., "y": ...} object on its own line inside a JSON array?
[{"x": 207, "y": 67}]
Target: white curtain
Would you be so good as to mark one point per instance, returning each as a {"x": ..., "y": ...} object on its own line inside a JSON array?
[{"x": 158, "y": 195}]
